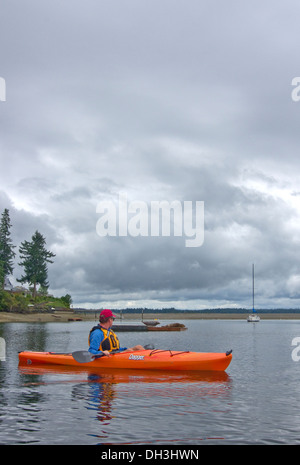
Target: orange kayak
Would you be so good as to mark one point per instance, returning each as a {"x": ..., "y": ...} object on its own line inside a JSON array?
[{"x": 140, "y": 360}]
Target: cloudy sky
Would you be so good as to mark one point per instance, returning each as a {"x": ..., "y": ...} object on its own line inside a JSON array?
[{"x": 161, "y": 100}]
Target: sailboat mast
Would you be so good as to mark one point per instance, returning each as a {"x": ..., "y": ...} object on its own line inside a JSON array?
[
  {"x": 253, "y": 286},
  {"x": 254, "y": 316}
]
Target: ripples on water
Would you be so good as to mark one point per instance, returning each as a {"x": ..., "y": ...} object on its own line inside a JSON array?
[{"x": 254, "y": 402}]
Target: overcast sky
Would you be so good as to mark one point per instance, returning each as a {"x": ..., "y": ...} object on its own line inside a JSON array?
[{"x": 186, "y": 100}]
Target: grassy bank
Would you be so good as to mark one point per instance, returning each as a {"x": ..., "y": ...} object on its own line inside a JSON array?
[{"x": 21, "y": 306}]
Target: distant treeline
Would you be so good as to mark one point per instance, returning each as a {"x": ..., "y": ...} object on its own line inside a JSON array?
[{"x": 207, "y": 310}]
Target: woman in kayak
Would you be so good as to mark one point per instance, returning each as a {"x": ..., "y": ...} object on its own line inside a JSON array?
[{"x": 102, "y": 340}]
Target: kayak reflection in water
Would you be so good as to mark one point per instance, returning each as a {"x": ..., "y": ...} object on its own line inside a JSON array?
[{"x": 102, "y": 339}]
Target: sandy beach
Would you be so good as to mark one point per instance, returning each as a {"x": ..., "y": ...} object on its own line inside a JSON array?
[{"x": 10, "y": 317}]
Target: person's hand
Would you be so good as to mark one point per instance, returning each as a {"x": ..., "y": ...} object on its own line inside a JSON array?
[{"x": 106, "y": 352}]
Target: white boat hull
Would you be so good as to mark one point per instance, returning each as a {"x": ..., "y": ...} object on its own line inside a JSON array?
[{"x": 253, "y": 318}]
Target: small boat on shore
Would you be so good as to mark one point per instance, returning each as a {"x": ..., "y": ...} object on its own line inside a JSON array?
[
  {"x": 151, "y": 323},
  {"x": 134, "y": 327},
  {"x": 170, "y": 327}
]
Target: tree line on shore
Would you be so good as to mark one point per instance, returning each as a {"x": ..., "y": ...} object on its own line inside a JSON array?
[
  {"x": 34, "y": 258},
  {"x": 187, "y": 311}
]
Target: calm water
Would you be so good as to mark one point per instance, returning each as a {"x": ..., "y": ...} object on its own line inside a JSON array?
[{"x": 257, "y": 401}]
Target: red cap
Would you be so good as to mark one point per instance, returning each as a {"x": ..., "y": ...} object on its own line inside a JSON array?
[{"x": 107, "y": 314}]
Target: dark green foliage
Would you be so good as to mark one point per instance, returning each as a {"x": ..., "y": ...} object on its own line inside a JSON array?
[
  {"x": 67, "y": 300},
  {"x": 34, "y": 259},
  {"x": 7, "y": 253}
]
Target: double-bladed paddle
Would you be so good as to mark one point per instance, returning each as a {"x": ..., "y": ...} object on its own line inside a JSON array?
[{"x": 84, "y": 356}]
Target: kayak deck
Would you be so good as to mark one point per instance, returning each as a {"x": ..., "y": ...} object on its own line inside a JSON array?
[{"x": 157, "y": 359}]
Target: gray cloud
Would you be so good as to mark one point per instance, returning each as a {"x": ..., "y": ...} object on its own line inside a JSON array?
[{"x": 163, "y": 101}]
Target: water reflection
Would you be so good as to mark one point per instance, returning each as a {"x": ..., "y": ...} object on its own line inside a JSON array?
[
  {"x": 119, "y": 394},
  {"x": 126, "y": 376},
  {"x": 100, "y": 397}
]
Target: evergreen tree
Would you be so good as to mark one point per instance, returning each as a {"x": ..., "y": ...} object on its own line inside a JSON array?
[
  {"x": 34, "y": 258},
  {"x": 7, "y": 253},
  {"x": 2, "y": 277}
]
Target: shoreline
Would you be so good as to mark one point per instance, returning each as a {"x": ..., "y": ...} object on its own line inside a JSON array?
[{"x": 63, "y": 317}]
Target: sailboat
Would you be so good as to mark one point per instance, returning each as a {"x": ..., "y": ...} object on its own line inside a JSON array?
[{"x": 253, "y": 317}]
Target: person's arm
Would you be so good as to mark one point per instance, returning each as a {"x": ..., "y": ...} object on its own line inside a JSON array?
[{"x": 96, "y": 338}]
